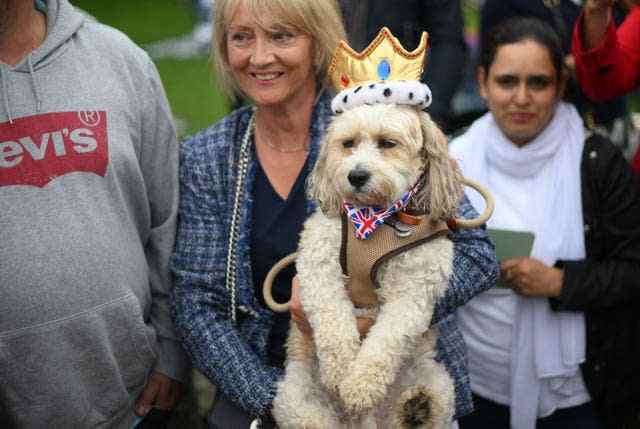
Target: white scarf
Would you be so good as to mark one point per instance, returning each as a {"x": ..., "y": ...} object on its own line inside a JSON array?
[{"x": 547, "y": 347}]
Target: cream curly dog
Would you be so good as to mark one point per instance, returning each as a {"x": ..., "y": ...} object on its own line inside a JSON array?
[
  {"x": 376, "y": 247},
  {"x": 372, "y": 155}
]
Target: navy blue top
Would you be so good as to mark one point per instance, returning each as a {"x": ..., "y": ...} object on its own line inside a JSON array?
[{"x": 271, "y": 240}]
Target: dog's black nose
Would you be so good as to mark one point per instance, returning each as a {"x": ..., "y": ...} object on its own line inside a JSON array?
[{"x": 358, "y": 177}]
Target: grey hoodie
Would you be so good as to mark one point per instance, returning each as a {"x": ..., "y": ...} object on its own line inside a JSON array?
[{"x": 88, "y": 201}]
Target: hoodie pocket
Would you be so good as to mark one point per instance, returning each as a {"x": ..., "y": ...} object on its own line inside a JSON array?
[{"x": 79, "y": 371}]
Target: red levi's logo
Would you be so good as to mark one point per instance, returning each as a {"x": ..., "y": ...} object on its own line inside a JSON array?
[{"x": 37, "y": 149}]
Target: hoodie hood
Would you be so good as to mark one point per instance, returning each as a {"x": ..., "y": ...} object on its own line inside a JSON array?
[{"x": 63, "y": 21}]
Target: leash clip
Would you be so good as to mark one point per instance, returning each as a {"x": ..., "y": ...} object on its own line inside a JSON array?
[{"x": 400, "y": 228}]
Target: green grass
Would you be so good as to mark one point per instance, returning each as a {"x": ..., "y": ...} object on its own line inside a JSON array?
[
  {"x": 195, "y": 100},
  {"x": 143, "y": 20},
  {"x": 634, "y": 102},
  {"x": 470, "y": 16},
  {"x": 191, "y": 89}
]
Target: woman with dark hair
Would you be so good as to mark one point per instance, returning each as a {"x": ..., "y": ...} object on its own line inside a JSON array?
[
  {"x": 561, "y": 15},
  {"x": 558, "y": 347}
]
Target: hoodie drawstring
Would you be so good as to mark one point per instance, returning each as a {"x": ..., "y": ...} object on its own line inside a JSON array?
[
  {"x": 4, "y": 76},
  {"x": 5, "y": 91},
  {"x": 34, "y": 82}
]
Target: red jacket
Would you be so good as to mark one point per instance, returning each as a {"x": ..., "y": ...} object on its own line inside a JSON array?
[{"x": 613, "y": 67}]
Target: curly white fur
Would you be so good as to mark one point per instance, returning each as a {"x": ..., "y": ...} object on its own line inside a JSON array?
[
  {"x": 390, "y": 378},
  {"x": 407, "y": 92}
]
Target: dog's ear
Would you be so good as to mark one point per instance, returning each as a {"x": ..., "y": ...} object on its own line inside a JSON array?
[
  {"x": 442, "y": 189},
  {"x": 319, "y": 186}
]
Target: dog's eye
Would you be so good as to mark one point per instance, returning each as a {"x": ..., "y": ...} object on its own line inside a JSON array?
[
  {"x": 386, "y": 144},
  {"x": 347, "y": 144}
]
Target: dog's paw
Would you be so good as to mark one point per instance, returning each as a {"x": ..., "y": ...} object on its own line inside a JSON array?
[{"x": 420, "y": 407}]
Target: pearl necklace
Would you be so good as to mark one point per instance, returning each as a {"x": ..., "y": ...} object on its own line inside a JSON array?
[{"x": 234, "y": 227}]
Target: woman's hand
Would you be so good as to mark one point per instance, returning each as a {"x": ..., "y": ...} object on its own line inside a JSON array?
[
  {"x": 598, "y": 5},
  {"x": 297, "y": 312},
  {"x": 597, "y": 14},
  {"x": 160, "y": 392},
  {"x": 300, "y": 318},
  {"x": 530, "y": 277}
]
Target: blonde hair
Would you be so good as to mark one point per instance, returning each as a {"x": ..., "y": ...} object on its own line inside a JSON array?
[{"x": 320, "y": 19}]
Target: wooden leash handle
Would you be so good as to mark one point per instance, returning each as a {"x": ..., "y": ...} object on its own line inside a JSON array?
[
  {"x": 488, "y": 209},
  {"x": 268, "y": 284}
]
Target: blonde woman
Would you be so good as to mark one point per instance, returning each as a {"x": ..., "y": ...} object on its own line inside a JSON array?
[{"x": 243, "y": 204}]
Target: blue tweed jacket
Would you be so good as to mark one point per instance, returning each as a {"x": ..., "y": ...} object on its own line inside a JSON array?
[{"x": 234, "y": 356}]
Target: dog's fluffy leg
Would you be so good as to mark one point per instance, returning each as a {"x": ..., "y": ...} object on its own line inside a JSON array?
[
  {"x": 424, "y": 395},
  {"x": 299, "y": 401},
  {"x": 325, "y": 299},
  {"x": 382, "y": 355},
  {"x": 410, "y": 286}
]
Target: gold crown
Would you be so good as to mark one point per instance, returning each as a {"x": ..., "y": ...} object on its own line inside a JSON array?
[{"x": 384, "y": 59}]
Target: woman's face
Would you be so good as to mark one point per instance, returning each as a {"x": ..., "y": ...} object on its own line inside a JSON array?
[
  {"x": 272, "y": 65},
  {"x": 522, "y": 89}
]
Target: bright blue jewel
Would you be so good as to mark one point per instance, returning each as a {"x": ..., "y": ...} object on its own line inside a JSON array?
[{"x": 384, "y": 69}]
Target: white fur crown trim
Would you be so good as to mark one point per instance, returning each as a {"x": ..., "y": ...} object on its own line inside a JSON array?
[{"x": 405, "y": 92}]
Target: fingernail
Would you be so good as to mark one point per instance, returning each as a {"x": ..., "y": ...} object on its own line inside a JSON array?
[{"x": 142, "y": 410}]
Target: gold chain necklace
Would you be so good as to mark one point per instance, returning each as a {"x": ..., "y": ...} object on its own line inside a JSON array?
[
  {"x": 303, "y": 147},
  {"x": 300, "y": 148}
]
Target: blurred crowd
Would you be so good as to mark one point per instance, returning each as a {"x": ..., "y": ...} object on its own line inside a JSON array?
[
  {"x": 129, "y": 258},
  {"x": 454, "y": 44}
]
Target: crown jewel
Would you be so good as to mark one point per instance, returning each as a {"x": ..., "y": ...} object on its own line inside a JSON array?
[{"x": 384, "y": 59}]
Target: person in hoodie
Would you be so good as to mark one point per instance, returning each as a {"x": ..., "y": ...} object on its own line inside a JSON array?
[{"x": 88, "y": 197}]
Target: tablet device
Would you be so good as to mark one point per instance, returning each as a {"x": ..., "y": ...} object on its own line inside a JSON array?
[{"x": 510, "y": 244}]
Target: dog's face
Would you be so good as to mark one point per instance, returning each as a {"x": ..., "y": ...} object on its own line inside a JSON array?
[
  {"x": 374, "y": 162},
  {"x": 372, "y": 155}
]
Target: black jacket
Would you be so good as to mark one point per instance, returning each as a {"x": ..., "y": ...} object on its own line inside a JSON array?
[{"x": 606, "y": 285}]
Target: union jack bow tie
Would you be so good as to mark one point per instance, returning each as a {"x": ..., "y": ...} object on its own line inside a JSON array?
[{"x": 367, "y": 219}]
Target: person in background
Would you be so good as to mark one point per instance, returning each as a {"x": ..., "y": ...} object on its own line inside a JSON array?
[
  {"x": 407, "y": 19},
  {"x": 89, "y": 191},
  {"x": 243, "y": 204},
  {"x": 606, "y": 117},
  {"x": 194, "y": 44},
  {"x": 607, "y": 60},
  {"x": 204, "y": 26},
  {"x": 557, "y": 348}
]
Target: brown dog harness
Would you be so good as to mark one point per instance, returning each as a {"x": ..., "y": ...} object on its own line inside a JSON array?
[{"x": 361, "y": 259}]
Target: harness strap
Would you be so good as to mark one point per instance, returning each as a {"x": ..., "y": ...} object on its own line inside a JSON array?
[{"x": 360, "y": 260}]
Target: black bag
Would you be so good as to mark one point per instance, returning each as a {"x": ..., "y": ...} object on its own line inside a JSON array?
[{"x": 225, "y": 414}]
